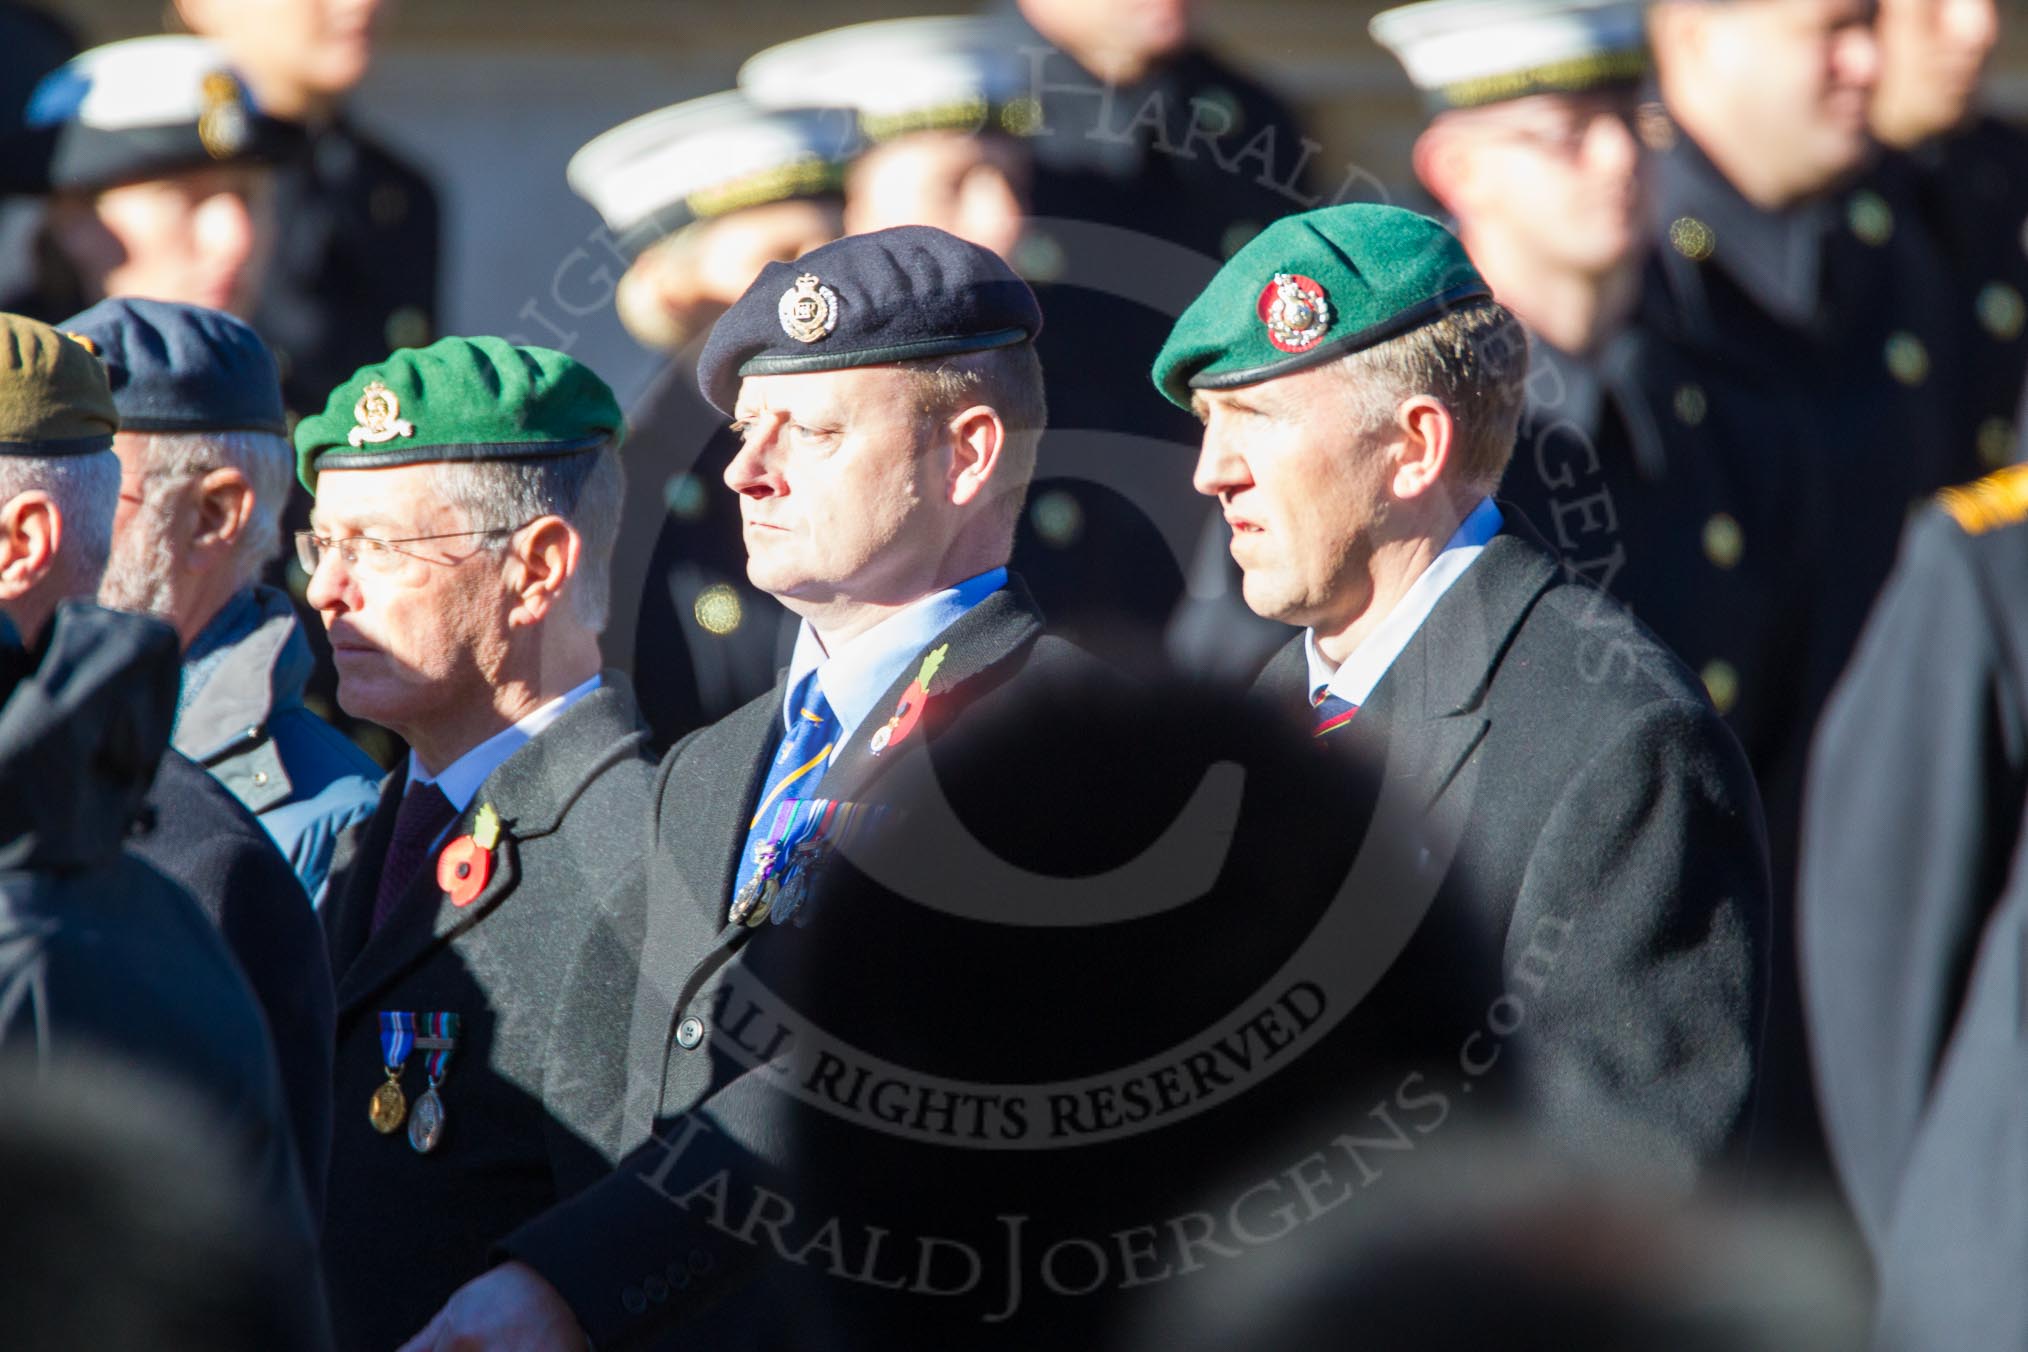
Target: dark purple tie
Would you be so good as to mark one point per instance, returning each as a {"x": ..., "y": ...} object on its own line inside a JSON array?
[{"x": 422, "y": 816}]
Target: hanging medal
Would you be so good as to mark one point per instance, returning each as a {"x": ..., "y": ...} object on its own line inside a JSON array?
[
  {"x": 802, "y": 859},
  {"x": 750, "y": 907},
  {"x": 397, "y": 1037},
  {"x": 438, "y": 1035}
]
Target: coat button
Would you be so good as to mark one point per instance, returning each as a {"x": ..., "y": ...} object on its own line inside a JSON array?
[
  {"x": 1691, "y": 404},
  {"x": 634, "y": 1300},
  {"x": 1721, "y": 682},
  {"x": 1907, "y": 359},
  {"x": 1996, "y": 443},
  {"x": 1692, "y": 238},
  {"x": 700, "y": 1261},
  {"x": 679, "y": 1277},
  {"x": 657, "y": 1289},
  {"x": 2002, "y": 312},
  {"x": 1870, "y": 218},
  {"x": 689, "y": 1033},
  {"x": 1724, "y": 541}
]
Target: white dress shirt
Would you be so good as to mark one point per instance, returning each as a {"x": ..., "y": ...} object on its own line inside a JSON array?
[
  {"x": 461, "y": 779},
  {"x": 859, "y": 673}
]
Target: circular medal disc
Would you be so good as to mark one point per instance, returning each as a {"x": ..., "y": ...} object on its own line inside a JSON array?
[
  {"x": 388, "y": 1107},
  {"x": 426, "y": 1123}
]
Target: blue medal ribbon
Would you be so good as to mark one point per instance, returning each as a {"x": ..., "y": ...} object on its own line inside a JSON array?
[{"x": 397, "y": 1037}]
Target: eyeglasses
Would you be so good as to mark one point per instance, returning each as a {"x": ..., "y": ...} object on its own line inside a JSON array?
[{"x": 375, "y": 555}]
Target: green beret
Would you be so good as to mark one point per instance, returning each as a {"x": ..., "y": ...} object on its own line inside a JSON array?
[
  {"x": 54, "y": 395},
  {"x": 459, "y": 399},
  {"x": 1313, "y": 287}
]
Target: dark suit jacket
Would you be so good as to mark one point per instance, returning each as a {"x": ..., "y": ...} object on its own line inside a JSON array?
[
  {"x": 1608, "y": 844},
  {"x": 1912, "y": 900},
  {"x": 631, "y": 1263},
  {"x": 203, "y": 838},
  {"x": 568, "y": 801},
  {"x": 104, "y": 955}
]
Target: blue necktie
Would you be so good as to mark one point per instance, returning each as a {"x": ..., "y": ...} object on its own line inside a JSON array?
[
  {"x": 1332, "y": 713},
  {"x": 799, "y": 762}
]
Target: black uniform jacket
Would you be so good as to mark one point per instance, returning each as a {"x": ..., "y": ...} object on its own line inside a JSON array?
[
  {"x": 1600, "y": 825},
  {"x": 405, "y": 1228},
  {"x": 630, "y": 1262}
]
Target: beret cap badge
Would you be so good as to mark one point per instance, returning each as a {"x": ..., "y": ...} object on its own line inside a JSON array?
[
  {"x": 222, "y": 127},
  {"x": 808, "y": 310},
  {"x": 1295, "y": 311},
  {"x": 378, "y": 414}
]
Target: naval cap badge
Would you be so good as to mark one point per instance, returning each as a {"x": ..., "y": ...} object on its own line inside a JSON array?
[
  {"x": 378, "y": 414},
  {"x": 808, "y": 310},
  {"x": 1295, "y": 311},
  {"x": 222, "y": 125}
]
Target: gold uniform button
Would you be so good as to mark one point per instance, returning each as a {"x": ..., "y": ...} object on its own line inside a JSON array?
[
  {"x": 1907, "y": 358},
  {"x": 2001, "y": 310},
  {"x": 1870, "y": 218},
  {"x": 1996, "y": 443},
  {"x": 718, "y": 609},
  {"x": 1692, "y": 238},
  {"x": 1691, "y": 404},
  {"x": 1724, "y": 541},
  {"x": 1721, "y": 682}
]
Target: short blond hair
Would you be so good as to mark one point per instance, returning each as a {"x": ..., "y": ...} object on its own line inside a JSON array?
[{"x": 1474, "y": 361}]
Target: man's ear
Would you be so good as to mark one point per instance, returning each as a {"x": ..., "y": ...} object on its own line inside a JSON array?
[
  {"x": 978, "y": 440},
  {"x": 541, "y": 560},
  {"x": 1429, "y": 439},
  {"x": 225, "y": 507},
  {"x": 1442, "y": 164},
  {"x": 31, "y": 533}
]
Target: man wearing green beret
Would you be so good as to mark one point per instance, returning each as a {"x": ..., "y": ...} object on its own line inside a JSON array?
[
  {"x": 1594, "y": 819},
  {"x": 466, "y": 501}
]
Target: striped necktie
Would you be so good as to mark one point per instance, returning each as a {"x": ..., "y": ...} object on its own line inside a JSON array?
[
  {"x": 800, "y": 761},
  {"x": 1332, "y": 713}
]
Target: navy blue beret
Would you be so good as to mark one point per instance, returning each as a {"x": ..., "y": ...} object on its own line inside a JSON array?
[
  {"x": 906, "y": 294},
  {"x": 183, "y": 368}
]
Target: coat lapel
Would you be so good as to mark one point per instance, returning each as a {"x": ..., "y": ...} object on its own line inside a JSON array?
[
  {"x": 355, "y": 861},
  {"x": 1427, "y": 714},
  {"x": 531, "y": 791}
]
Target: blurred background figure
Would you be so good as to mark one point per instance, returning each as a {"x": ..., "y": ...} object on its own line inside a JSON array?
[
  {"x": 946, "y": 106},
  {"x": 700, "y": 196},
  {"x": 1556, "y": 1258},
  {"x": 106, "y": 945},
  {"x": 354, "y": 272},
  {"x": 156, "y": 165},
  {"x": 205, "y": 467},
  {"x": 1666, "y": 475},
  {"x": 110, "y": 1168},
  {"x": 1956, "y": 175},
  {"x": 1914, "y": 902}
]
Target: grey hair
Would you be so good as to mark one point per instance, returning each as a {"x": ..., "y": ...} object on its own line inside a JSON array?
[
  {"x": 586, "y": 490},
  {"x": 1474, "y": 361},
  {"x": 86, "y": 490},
  {"x": 171, "y": 459}
]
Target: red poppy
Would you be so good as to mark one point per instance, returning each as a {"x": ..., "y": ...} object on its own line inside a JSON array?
[
  {"x": 462, "y": 870},
  {"x": 907, "y": 713}
]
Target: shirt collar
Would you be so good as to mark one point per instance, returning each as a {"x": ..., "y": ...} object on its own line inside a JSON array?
[
  {"x": 461, "y": 779},
  {"x": 859, "y": 673},
  {"x": 1355, "y": 678}
]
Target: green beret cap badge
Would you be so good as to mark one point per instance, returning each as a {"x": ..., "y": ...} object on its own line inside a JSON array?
[
  {"x": 1295, "y": 311},
  {"x": 378, "y": 415}
]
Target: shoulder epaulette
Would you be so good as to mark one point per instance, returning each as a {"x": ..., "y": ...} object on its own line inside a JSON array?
[{"x": 1999, "y": 499}]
